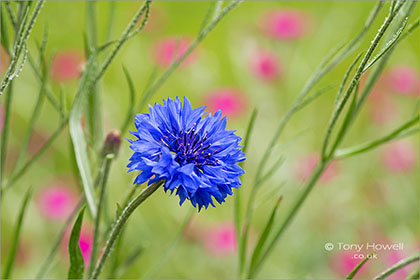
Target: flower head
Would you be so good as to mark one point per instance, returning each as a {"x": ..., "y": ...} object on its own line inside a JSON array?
[
  {"x": 189, "y": 149},
  {"x": 221, "y": 240}
]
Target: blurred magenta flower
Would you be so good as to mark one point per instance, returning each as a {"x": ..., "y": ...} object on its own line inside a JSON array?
[
  {"x": 399, "y": 156},
  {"x": 265, "y": 65},
  {"x": 166, "y": 49},
  {"x": 343, "y": 262},
  {"x": 306, "y": 165},
  {"x": 284, "y": 24},
  {"x": 221, "y": 240},
  {"x": 382, "y": 110},
  {"x": 404, "y": 80},
  {"x": 57, "y": 201},
  {"x": 66, "y": 65},
  {"x": 232, "y": 102},
  {"x": 394, "y": 257}
]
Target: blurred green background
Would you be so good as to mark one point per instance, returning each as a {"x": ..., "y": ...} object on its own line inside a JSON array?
[{"x": 364, "y": 201}]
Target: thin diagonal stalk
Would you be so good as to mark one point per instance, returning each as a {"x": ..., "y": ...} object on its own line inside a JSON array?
[
  {"x": 20, "y": 45},
  {"x": 398, "y": 266},
  {"x": 5, "y": 132},
  {"x": 31, "y": 161},
  {"x": 344, "y": 153},
  {"x": 122, "y": 219},
  {"x": 95, "y": 243}
]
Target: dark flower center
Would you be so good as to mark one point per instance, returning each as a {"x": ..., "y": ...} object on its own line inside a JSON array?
[{"x": 190, "y": 147}]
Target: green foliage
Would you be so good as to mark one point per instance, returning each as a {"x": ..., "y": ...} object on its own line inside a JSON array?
[{"x": 77, "y": 264}]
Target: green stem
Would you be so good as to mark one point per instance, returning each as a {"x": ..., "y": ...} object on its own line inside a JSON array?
[
  {"x": 11, "y": 256},
  {"x": 122, "y": 219},
  {"x": 302, "y": 197},
  {"x": 104, "y": 179},
  {"x": 373, "y": 144},
  {"x": 397, "y": 266},
  {"x": 5, "y": 133}
]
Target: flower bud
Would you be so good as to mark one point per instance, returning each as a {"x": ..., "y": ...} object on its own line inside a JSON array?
[{"x": 112, "y": 143}]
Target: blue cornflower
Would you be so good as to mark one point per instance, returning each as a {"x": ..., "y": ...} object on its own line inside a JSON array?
[{"x": 189, "y": 149}]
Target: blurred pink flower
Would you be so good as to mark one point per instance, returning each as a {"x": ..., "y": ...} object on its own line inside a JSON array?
[
  {"x": 382, "y": 110},
  {"x": 166, "y": 49},
  {"x": 392, "y": 258},
  {"x": 404, "y": 80},
  {"x": 399, "y": 156},
  {"x": 57, "y": 201},
  {"x": 66, "y": 66},
  {"x": 232, "y": 102},
  {"x": 265, "y": 66},
  {"x": 343, "y": 262},
  {"x": 306, "y": 167},
  {"x": 221, "y": 240},
  {"x": 284, "y": 24}
]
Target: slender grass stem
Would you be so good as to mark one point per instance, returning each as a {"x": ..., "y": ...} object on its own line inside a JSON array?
[
  {"x": 344, "y": 153},
  {"x": 398, "y": 266},
  {"x": 10, "y": 260},
  {"x": 35, "y": 157},
  {"x": 5, "y": 131},
  {"x": 296, "y": 206},
  {"x": 358, "y": 267},
  {"x": 122, "y": 219},
  {"x": 95, "y": 243},
  {"x": 20, "y": 46}
]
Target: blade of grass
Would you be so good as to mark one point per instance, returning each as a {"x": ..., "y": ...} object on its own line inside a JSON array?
[
  {"x": 43, "y": 269},
  {"x": 398, "y": 266},
  {"x": 121, "y": 221},
  {"x": 347, "y": 152},
  {"x": 414, "y": 275},
  {"x": 35, "y": 157},
  {"x": 358, "y": 267},
  {"x": 20, "y": 45},
  {"x": 6, "y": 125},
  {"x": 95, "y": 243},
  {"x": 131, "y": 100},
  {"x": 14, "y": 243},
  {"x": 77, "y": 264},
  {"x": 237, "y": 201},
  {"x": 263, "y": 238},
  {"x": 387, "y": 47},
  {"x": 4, "y": 38},
  {"x": 78, "y": 136}
]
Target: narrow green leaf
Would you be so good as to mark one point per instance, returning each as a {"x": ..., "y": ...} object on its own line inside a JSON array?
[
  {"x": 387, "y": 47},
  {"x": 263, "y": 237},
  {"x": 77, "y": 264},
  {"x": 401, "y": 264},
  {"x": 237, "y": 202},
  {"x": 78, "y": 136},
  {"x": 14, "y": 243},
  {"x": 415, "y": 274},
  {"x": 4, "y": 38},
  {"x": 131, "y": 100},
  {"x": 407, "y": 126},
  {"x": 358, "y": 267},
  {"x": 43, "y": 269}
]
